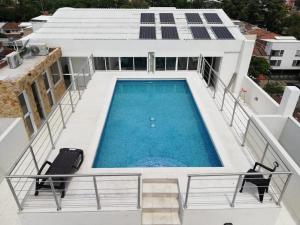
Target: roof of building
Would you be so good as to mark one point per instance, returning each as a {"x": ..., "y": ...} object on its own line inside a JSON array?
[
  {"x": 11, "y": 26},
  {"x": 41, "y": 18},
  {"x": 124, "y": 24}
]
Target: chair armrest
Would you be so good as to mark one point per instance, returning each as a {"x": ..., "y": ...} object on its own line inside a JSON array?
[
  {"x": 43, "y": 166},
  {"x": 263, "y": 166}
]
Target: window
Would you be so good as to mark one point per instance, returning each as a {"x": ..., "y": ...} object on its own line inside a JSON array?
[
  {"x": 296, "y": 62},
  {"x": 55, "y": 73},
  {"x": 127, "y": 63},
  {"x": 48, "y": 89},
  {"x": 275, "y": 62},
  {"x": 277, "y": 52},
  {"x": 26, "y": 113},
  {"x": 297, "y": 53},
  {"x": 160, "y": 63},
  {"x": 170, "y": 63},
  {"x": 140, "y": 63},
  {"x": 193, "y": 63},
  {"x": 182, "y": 63},
  {"x": 99, "y": 63},
  {"x": 37, "y": 99},
  {"x": 112, "y": 63},
  {"x": 64, "y": 62}
]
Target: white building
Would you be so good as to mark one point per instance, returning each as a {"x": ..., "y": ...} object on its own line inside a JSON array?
[
  {"x": 284, "y": 55},
  {"x": 202, "y": 47}
]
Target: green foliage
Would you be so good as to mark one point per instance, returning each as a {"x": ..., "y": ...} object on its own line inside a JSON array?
[
  {"x": 274, "y": 87},
  {"x": 292, "y": 25},
  {"x": 258, "y": 66}
]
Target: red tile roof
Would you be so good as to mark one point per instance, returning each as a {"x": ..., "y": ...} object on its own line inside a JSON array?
[{"x": 11, "y": 26}]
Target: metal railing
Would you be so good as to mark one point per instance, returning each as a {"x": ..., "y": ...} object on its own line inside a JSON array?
[
  {"x": 83, "y": 191},
  {"x": 244, "y": 126},
  {"x": 225, "y": 189},
  {"x": 222, "y": 188}
]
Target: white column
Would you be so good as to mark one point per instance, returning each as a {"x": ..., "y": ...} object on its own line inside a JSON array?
[{"x": 289, "y": 101}]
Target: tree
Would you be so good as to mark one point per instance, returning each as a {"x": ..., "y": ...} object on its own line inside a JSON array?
[
  {"x": 258, "y": 66},
  {"x": 274, "y": 87},
  {"x": 292, "y": 25}
]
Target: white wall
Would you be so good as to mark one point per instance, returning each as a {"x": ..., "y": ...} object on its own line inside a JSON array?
[
  {"x": 82, "y": 218},
  {"x": 275, "y": 124},
  {"x": 290, "y": 48},
  {"x": 290, "y": 139},
  {"x": 236, "y": 216},
  {"x": 264, "y": 103},
  {"x": 13, "y": 139}
]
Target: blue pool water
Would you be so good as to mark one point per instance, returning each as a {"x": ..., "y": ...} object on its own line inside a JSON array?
[{"x": 154, "y": 124}]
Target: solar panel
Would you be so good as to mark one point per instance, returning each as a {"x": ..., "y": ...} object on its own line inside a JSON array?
[
  {"x": 147, "y": 18},
  {"x": 167, "y": 18},
  {"x": 200, "y": 33},
  {"x": 169, "y": 33},
  {"x": 147, "y": 33},
  {"x": 212, "y": 18},
  {"x": 222, "y": 33},
  {"x": 193, "y": 18}
]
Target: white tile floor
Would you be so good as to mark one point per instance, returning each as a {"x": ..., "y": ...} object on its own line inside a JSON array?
[{"x": 90, "y": 117}]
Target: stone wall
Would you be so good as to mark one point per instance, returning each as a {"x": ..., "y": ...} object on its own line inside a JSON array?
[{"x": 10, "y": 89}]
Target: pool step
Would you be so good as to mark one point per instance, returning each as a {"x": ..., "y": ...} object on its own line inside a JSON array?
[{"x": 160, "y": 204}]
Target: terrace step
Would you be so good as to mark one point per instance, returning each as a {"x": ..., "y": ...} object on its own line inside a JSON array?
[
  {"x": 160, "y": 218},
  {"x": 160, "y": 204},
  {"x": 160, "y": 189}
]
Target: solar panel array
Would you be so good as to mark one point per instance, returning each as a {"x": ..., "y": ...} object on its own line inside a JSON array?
[
  {"x": 147, "y": 18},
  {"x": 200, "y": 33},
  {"x": 212, "y": 18},
  {"x": 169, "y": 33},
  {"x": 193, "y": 18},
  {"x": 147, "y": 32},
  {"x": 222, "y": 33},
  {"x": 167, "y": 18}
]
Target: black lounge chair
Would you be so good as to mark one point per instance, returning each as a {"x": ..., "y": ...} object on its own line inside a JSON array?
[
  {"x": 259, "y": 180},
  {"x": 68, "y": 161}
]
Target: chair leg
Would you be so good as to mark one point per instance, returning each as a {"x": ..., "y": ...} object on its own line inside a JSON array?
[
  {"x": 261, "y": 192},
  {"x": 242, "y": 187}
]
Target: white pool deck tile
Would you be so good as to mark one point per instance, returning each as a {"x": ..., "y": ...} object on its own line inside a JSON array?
[{"x": 85, "y": 126}]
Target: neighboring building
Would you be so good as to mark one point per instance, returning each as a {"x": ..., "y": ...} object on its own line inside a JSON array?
[
  {"x": 282, "y": 52},
  {"x": 31, "y": 90},
  {"x": 290, "y": 3},
  {"x": 39, "y": 21}
]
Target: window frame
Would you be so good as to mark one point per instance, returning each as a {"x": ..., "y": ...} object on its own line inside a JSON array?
[
  {"x": 50, "y": 89},
  {"x": 59, "y": 73},
  {"x": 28, "y": 114}
]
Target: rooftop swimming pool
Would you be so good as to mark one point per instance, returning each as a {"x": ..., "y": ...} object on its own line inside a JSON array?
[{"x": 154, "y": 124}]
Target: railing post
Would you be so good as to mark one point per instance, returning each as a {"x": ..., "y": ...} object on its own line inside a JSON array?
[
  {"x": 96, "y": 192},
  {"x": 62, "y": 115},
  {"x": 223, "y": 99},
  {"x": 84, "y": 80},
  {"x": 54, "y": 194},
  {"x": 187, "y": 192},
  {"x": 245, "y": 134},
  {"x": 34, "y": 159},
  {"x": 284, "y": 188},
  {"x": 209, "y": 76},
  {"x": 71, "y": 100},
  {"x": 236, "y": 191},
  {"x": 77, "y": 86},
  {"x": 139, "y": 193},
  {"x": 233, "y": 112},
  {"x": 50, "y": 134},
  {"x": 264, "y": 154},
  {"x": 14, "y": 193}
]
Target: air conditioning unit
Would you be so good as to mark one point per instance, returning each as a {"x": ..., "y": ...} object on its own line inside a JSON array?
[
  {"x": 38, "y": 49},
  {"x": 14, "y": 60}
]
